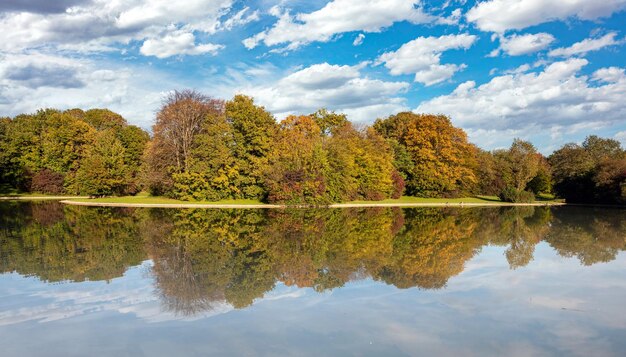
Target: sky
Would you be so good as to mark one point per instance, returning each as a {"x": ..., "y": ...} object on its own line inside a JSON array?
[{"x": 547, "y": 71}]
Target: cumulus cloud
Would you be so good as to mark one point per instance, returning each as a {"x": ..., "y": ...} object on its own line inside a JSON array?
[
  {"x": 32, "y": 81},
  {"x": 177, "y": 43},
  {"x": 502, "y": 15},
  {"x": 517, "y": 45},
  {"x": 102, "y": 24},
  {"x": 586, "y": 45},
  {"x": 336, "y": 17},
  {"x": 556, "y": 96},
  {"x": 340, "y": 88},
  {"x": 609, "y": 75},
  {"x": 422, "y": 57}
]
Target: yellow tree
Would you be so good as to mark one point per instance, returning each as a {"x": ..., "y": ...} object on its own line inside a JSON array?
[{"x": 443, "y": 159}]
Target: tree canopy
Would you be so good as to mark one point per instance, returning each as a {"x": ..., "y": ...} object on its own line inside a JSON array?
[{"x": 203, "y": 148}]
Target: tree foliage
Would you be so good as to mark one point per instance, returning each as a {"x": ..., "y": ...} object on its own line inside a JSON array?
[
  {"x": 210, "y": 149},
  {"x": 46, "y": 151},
  {"x": 592, "y": 172},
  {"x": 442, "y": 160}
]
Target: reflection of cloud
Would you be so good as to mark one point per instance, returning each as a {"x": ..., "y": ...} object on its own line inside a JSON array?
[
  {"x": 131, "y": 294},
  {"x": 486, "y": 310}
]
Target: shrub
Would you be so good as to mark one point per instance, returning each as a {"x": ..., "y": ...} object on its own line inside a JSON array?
[
  {"x": 398, "y": 184},
  {"x": 47, "y": 181},
  {"x": 511, "y": 194}
]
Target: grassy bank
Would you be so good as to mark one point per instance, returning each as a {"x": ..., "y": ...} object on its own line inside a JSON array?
[{"x": 144, "y": 199}]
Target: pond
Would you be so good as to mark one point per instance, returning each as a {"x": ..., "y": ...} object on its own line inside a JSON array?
[{"x": 510, "y": 281}]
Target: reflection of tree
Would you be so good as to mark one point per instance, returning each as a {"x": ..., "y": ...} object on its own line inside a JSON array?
[
  {"x": 325, "y": 248},
  {"x": 203, "y": 258},
  {"x": 591, "y": 235},
  {"x": 58, "y": 243},
  {"x": 433, "y": 246},
  {"x": 519, "y": 228},
  {"x": 210, "y": 255}
]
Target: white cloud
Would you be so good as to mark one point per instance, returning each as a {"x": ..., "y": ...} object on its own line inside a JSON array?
[
  {"x": 517, "y": 45},
  {"x": 609, "y": 75},
  {"x": 621, "y": 136},
  {"x": 32, "y": 81},
  {"x": 586, "y": 45},
  {"x": 358, "y": 40},
  {"x": 422, "y": 58},
  {"x": 340, "y": 88},
  {"x": 453, "y": 19},
  {"x": 100, "y": 25},
  {"x": 176, "y": 43},
  {"x": 241, "y": 18},
  {"x": 502, "y": 15},
  {"x": 336, "y": 17},
  {"x": 556, "y": 96}
]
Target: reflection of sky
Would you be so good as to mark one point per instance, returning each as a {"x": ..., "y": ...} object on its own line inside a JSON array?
[{"x": 553, "y": 306}]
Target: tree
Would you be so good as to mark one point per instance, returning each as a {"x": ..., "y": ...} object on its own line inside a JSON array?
[
  {"x": 103, "y": 171},
  {"x": 253, "y": 130},
  {"x": 443, "y": 160},
  {"x": 179, "y": 121},
  {"x": 593, "y": 172},
  {"x": 298, "y": 166},
  {"x": 361, "y": 165},
  {"x": 328, "y": 122},
  {"x": 542, "y": 182},
  {"x": 601, "y": 149},
  {"x": 214, "y": 172},
  {"x": 523, "y": 161},
  {"x": 64, "y": 142},
  {"x": 103, "y": 119},
  {"x": 489, "y": 176}
]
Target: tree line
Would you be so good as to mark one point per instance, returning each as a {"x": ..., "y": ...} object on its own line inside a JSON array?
[{"x": 202, "y": 148}]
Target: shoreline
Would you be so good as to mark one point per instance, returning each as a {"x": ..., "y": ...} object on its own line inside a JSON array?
[
  {"x": 281, "y": 206},
  {"x": 37, "y": 198}
]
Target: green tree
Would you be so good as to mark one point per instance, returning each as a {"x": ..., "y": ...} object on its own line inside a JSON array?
[
  {"x": 593, "y": 172},
  {"x": 253, "y": 130},
  {"x": 104, "y": 171},
  {"x": 103, "y": 119},
  {"x": 328, "y": 121}
]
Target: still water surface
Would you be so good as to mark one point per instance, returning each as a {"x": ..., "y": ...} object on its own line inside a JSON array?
[{"x": 515, "y": 281}]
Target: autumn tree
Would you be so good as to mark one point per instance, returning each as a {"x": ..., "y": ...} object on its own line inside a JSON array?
[
  {"x": 442, "y": 159},
  {"x": 298, "y": 165},
  {"x": 179, "y": 121},
  {"x": 361, "y": 165},
  {"x": 213, "y": 174}
]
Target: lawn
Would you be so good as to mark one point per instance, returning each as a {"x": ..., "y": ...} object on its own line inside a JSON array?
[
  {"x": 409, "y": 199},
  {"x": 144, "y": 198}
]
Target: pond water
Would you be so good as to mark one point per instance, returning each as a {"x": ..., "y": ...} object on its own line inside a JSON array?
[{"x": 512, "y": 281}]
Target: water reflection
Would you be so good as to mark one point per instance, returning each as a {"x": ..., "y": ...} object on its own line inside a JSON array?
[{"x": 204, "y": 258}]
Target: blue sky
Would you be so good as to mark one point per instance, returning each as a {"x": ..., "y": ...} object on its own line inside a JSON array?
[{"x": 548, "y": 71}]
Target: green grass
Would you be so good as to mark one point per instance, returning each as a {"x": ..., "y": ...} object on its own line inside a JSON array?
[
  {"x": 409, "y": 199},
  {"x": 144, "y": 198}
]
